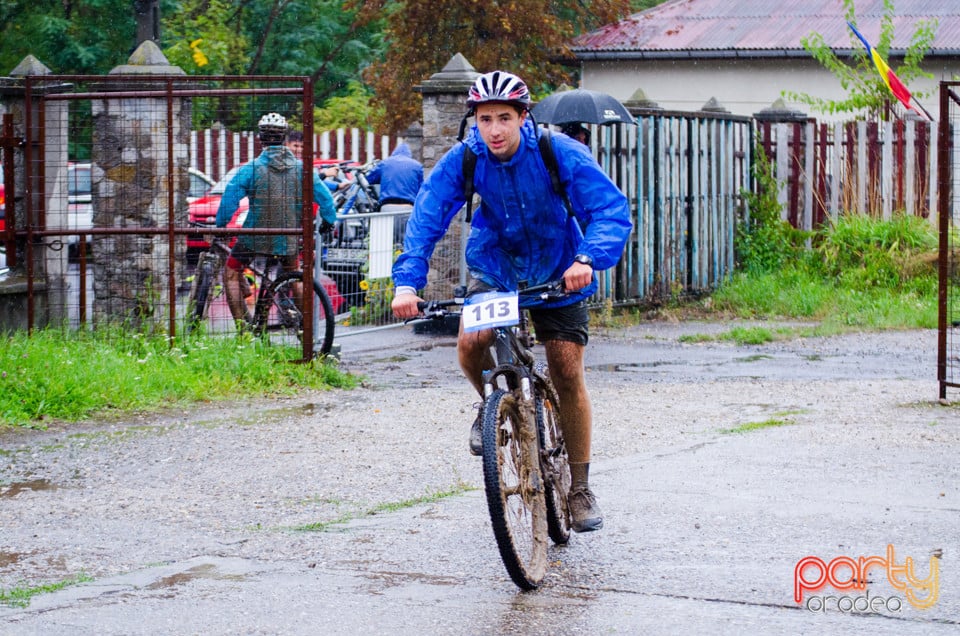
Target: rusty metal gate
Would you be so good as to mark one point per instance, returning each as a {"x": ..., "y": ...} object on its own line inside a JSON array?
[
  {"x": 99, "y": 186},
  {"x": 948, "y": 341}
]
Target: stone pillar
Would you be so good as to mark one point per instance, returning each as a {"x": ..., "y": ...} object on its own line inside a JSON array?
[
  {"x": 130, "y": 190},
  {"x": 48, "y": 150},
  {"x": 444, "y": 105}
]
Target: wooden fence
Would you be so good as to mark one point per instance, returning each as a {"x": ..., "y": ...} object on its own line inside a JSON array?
[
  {"x": 684, "y": 174},
  {"x": 215, "y": 150},
  {"x": 875, "y": 168}
]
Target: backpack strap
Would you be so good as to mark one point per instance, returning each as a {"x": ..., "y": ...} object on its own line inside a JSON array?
[
  {"x": 469, "y": 164},
  {"x": 550, "y": 160},
  {"x": 545, "y": 145}
]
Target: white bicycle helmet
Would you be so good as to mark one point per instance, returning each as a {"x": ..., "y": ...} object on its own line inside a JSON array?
[
  {"x": 273, "y": 128},
  {"x": 498, "y": 86}
]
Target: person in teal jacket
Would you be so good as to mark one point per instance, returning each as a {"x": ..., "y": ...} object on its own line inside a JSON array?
[
  {"x": 273, "y": 183},
  {"x": 522, "y": 231}
]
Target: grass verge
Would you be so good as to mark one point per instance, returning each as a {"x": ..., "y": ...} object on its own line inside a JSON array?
[{"x": 59, "y": 375}]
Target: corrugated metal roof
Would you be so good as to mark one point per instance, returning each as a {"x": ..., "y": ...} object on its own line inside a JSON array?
[{"x": 766, "y": 27}]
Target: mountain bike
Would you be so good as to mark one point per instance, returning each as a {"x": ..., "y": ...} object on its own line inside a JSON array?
[
  {"x": 276, "y": 315},
  {"x": 526, "y": 472}
]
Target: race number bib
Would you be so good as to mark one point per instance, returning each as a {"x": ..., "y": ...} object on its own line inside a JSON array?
[{"x": 491, "y": 309}]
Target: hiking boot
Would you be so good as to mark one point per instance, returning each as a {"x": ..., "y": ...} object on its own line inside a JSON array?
[
  {"x": 476, "y": 435},
  {"x": 585, "y": 514}
]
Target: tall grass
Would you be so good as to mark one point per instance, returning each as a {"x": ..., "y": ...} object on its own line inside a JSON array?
[
  {"x": 61, "y": 375},
  {"x": 856, "y": 271}
]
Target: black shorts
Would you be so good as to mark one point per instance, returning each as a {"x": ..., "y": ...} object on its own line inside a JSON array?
[{"x": 569, "y": 323}]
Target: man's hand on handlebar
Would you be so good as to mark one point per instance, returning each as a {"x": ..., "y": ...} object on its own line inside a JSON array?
[
  {"x": 577, "y": 276},
  {"x": 405, "y": 306}
]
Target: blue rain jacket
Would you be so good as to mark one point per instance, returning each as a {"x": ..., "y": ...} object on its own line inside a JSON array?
[
  {"x": 399, "y": 175},
  {"x": 273, "y": 184},
  {"x": 521, "y": 230}
]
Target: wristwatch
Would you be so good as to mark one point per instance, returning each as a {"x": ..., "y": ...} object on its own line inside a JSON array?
[{"x": 584, "y": 258}]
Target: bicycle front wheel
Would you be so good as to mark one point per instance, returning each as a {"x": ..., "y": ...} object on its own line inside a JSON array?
[
  {"x": 514, "y": 488},
  {"x": 279, "y": 318}
]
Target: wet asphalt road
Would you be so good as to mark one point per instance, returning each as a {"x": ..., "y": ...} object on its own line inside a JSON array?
[{"x": 706, "y": 515}]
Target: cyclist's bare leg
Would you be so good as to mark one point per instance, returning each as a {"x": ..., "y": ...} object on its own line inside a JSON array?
[
  {"x": 231, "y": 287},
  {"x": 565, "y": 360},
  {"x": 473, "y": 351},
  {"x": 292, "y": 264}
]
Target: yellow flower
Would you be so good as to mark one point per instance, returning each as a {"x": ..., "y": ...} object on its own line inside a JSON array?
[
  {"x": 199, "y": 58},
  {"x": 364, "y": 285}
]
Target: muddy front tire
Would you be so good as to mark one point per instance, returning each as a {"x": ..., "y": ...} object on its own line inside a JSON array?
[{"x": 515, "y": 488}]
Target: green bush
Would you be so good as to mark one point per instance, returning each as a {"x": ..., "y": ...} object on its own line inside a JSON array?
[
  {"x": 764, "y": 242},
  {"x": 855, "y": 270}
]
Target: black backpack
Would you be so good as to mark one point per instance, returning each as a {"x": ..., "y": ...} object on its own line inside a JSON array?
[{"x": 549, "y": 159}]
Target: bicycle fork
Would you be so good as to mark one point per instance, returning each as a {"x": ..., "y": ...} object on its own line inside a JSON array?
[{"x": 509, "y": 367}]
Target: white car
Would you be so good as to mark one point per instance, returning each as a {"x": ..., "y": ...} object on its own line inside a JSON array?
[{"x": 80, "y": 198}]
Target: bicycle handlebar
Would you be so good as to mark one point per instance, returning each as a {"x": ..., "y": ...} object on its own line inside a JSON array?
[{"x": 437, "y": 309}]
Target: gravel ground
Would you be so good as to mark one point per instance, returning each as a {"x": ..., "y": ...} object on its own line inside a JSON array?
[{"x": 107, "y": 498}]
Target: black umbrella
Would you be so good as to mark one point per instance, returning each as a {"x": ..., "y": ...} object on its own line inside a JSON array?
[{"x": 582, "y": 105}]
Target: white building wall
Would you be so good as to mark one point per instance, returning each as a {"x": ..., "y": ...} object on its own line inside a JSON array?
[{"x": 742, "y": 86}]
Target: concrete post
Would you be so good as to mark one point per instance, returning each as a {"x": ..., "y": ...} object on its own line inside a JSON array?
[
  {"x": 131, "y": 159},
  {"x": 47, "y": 150}
]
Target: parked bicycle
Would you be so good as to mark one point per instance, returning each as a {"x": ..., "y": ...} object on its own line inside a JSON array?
[
  {"x": 276, "y": 314},
  {"x": 345, "y": 252},
  {"x": 526, "y": 472}
]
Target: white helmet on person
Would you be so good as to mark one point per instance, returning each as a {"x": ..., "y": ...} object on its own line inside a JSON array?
[
  {"x": 273, "y": 129},
  {"x": 499, "y": 86}
]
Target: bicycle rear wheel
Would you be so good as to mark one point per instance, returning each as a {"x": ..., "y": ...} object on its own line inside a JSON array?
[
  {"x": 553, "y": 453},
  {"x": 279, "y": 318},
  {"x": 514, "y": 488}
]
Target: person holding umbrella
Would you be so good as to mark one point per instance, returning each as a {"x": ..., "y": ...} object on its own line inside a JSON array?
[
  {"x": 576, "y": 130},
  {"x": 523, "y": 232}
]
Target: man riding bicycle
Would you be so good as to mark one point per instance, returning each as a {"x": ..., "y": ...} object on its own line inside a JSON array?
[
  {"x": 273, "y": 183},
  {"x": 523, "y": 232}
]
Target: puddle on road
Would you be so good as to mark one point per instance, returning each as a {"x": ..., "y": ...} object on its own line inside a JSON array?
[
  {"x": 206, "y": 571},
  {"x": 754, "y": 358},
  {"x": 632, "y": 366},
  {"x": 36, "y": 485},
  {"x": 271, "y": 416}
]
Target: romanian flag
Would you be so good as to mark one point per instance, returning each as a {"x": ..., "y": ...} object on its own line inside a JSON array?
[{"x": 889, "y": 77}]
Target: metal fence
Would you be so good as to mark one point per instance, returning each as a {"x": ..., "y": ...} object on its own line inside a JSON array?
[
  {"x": 103, "y": 194},
  {"x": 948, "y": 341},
  {"x": 103, "y": 222},
  {"x": 874, "y": 168}
]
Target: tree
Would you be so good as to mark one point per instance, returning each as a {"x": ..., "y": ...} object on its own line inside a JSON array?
[
  {"x": 322, "y": 39},
  {"x": 528, "y": 38},
  {"x": 89, "y": 37},
  {"x": 866, "y": 90}
]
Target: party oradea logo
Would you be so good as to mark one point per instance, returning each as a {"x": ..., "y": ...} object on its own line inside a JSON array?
[{"x": 850, "y": 576}]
